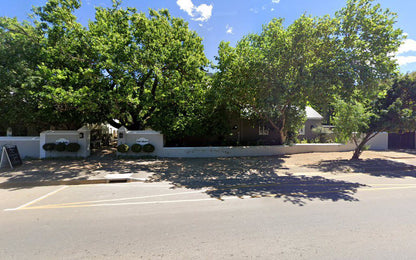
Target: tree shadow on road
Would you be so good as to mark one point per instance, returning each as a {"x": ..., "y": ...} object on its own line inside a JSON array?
[
  {"x": 374, "y": 167},
  {"x": 255, "y": 177}
]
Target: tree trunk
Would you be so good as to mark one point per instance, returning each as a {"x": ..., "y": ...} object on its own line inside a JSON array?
[
  {"x": 357, "y": 153},
  {"x": 282, "y": 136},
  {"x": 359, "y": 147}
]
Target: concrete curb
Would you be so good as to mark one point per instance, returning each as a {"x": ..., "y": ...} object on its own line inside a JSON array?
[{"x": 10, "y": 185}]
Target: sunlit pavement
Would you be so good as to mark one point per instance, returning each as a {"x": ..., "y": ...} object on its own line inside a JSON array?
[{"x": 343, "y": 216}]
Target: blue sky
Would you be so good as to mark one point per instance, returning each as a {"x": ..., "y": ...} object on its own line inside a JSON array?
[{"x": 229, "y": 20}]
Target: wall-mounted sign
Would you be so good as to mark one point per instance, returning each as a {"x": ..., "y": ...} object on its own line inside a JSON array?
[
  {"x": 62, "y": 140},
  {"x": 142, "y": 141}
]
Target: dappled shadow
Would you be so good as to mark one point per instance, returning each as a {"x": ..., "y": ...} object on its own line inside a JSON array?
[
  {"x": 255, "y": 177},
  {"x": 219, "y": 177},
  {"x": 45, "y": 172},
  {"x": 55, "y": 171},
  {"x": 374, "y": 167}
]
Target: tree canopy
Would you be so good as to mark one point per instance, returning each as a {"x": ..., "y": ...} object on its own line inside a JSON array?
[
  {"x": 273, "y": 75},
  {"x": 152, "y": 68},
  {"x": 126, "y": 67},
  {"x": 149, "y": 71}
]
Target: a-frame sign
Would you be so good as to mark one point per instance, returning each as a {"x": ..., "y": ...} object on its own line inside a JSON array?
[{"x": 10, "y": 156}]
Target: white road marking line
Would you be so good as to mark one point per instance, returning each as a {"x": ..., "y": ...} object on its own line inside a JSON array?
[
  {"x": 141, "y": 185},
  {"x": 38, "y": 199},
  {"x": 127, "y": 203},
  {"x": 387, "y": 188},
  {"x": 121, "y": 199}
]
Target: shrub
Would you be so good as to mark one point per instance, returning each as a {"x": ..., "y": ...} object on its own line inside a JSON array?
[
  {"x": 73, "y": 147},
  {"x": 137, "y": 148},
  {"x": 49, "y": 146},
  {"x": 148, "y": 148},
  {"x": 60, "y": 147},
  {"x": 123, "y": 148}
]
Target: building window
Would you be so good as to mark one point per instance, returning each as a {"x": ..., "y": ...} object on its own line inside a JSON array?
[
  {"x": 263, "y": 130},
  {"x": 302, "y": 131}
]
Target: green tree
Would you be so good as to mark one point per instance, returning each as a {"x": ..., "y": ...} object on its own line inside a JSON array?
[
  {"x": 144, "y": 71},
  {"x": 273, "y": 75},
  {"x": 152, "y": 69},
  {"x": 20, "y": 54},
  {"x": 365, "y": 41},
  {"x": 52, "y": 76},
  {"x": 70, "y": 94},
  {"x": 392, "y": 111}
]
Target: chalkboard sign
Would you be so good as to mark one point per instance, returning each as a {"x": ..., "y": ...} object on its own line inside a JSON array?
[{"x": 11, "y": 154}]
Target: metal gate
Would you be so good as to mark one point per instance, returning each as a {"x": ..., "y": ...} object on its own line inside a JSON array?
[{"x": 402, "y": 141}]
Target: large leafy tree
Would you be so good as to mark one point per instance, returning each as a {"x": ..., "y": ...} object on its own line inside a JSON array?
[
  {"x": 273, "y": 75},
  {"x": 125, "y": 68},
  {"x": 70, "y": 94},
  {"x": 51, "y": 74},
  {"x": 392, "y": 111},
  {"x": 152, "y": 68},
  {"x": 19, "y": 52},
  {"x": 366, "y": 39}
]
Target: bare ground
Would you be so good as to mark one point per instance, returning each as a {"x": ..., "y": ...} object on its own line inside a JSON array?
[{"x": 385, "y": 163}]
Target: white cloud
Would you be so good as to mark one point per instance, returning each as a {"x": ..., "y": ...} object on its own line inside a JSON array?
[
  {"x": 404, "y": 60},
  {"x": 275, "y": 1},
  {"x": 204, "y": 11},
  {"x": 272, "y": 10},
  {"x": 187, "y": 6},
  {"x": 229, "y": 29},
  {"x": 407, "y": 46},
  {"x": 201, "y": 13}
]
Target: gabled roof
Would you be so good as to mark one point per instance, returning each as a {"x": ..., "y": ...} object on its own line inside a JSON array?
[{"x": 312, "y": 114}]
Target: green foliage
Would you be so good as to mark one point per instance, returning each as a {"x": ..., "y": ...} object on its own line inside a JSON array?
[
  {"x": 365, "y": 40},
  {"x": 148, "y": 148},
  {"x": 123, "y": 148},
  {"x": 73, "y": 147},
  {"x": 136, "y": 148},
  {"x": 350, "y": 118},
  {"x": 49, "y": 146},
  {"x": 393, "y": 110},
  {"x": 396, "y": 109},
  {"x": 60, "y": 147},
  {"x": 145, "y": 71},
  {"x": 270, "y": 76},
  {"x": 152, "y": 69}
]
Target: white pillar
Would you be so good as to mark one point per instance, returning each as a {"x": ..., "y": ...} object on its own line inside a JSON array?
[
  {"x": 84, "y": 139},
  {"x": 42, "y": 141},
  {"x": 122, "y": 132}
]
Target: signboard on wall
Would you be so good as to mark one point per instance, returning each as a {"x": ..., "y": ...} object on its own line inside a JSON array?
[{"x": 10, "y": 156}]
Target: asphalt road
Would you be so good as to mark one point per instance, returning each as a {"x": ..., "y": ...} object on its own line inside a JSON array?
[{"x": 372, "y": 220}]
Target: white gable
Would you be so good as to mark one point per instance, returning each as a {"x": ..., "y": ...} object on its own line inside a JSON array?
[{"x": 312, "y": 114}]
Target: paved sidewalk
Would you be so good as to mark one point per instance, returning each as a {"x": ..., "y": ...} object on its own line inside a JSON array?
[
  {"x": 206, "y": 172},
  {"x": 94, "y": 169}
]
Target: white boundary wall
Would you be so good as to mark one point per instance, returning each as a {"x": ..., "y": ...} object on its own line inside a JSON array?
[
  {"x": 380, "y": 142},
  {"x": 31, "y": 147},
  {"x": 156, "y": 138},
  {"x": 242, "y": 151},
  {"x": 80, "y": 136},
  {"x": 28, "y": 146},
  {"x": 132, "y": 137}
]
